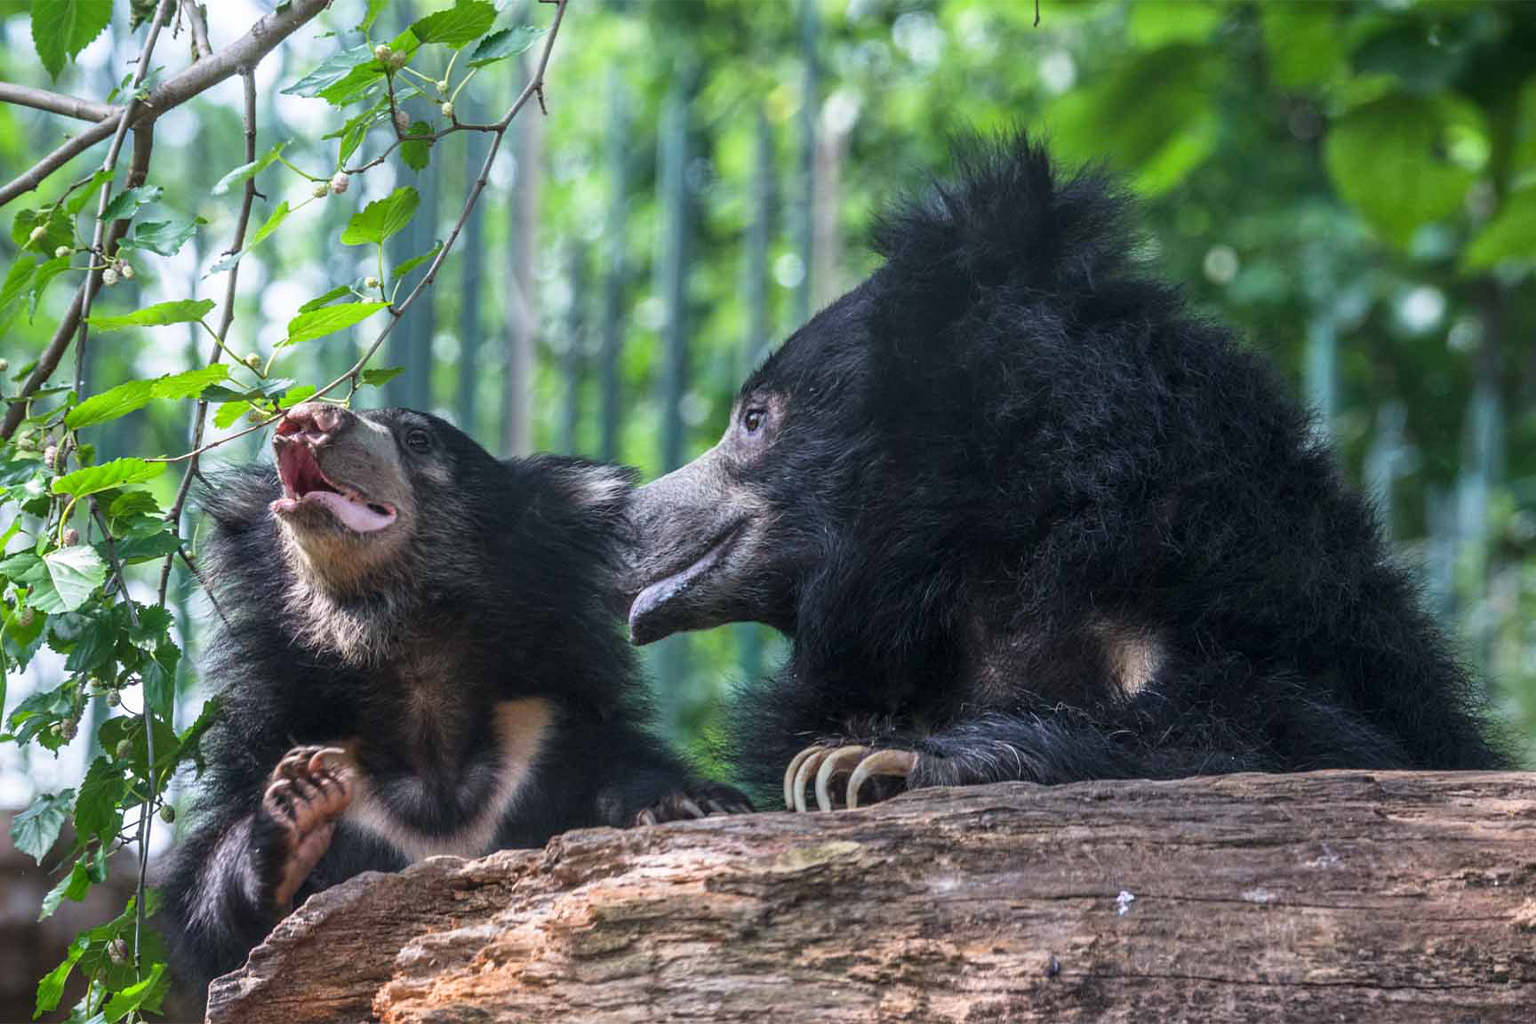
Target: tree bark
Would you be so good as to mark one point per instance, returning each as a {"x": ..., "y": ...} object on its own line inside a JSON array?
[{"x": 1339, "y": 896}]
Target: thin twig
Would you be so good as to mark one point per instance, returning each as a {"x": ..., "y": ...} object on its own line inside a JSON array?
[
  {"x": 534, "y": 86},
  {"x": 266, "y": 33},
  {"x": 200, "y": 415},
  {"x": 56, "y": 102},
  {"x": 99, "y": 240},
  {"x": 194, "y": 15},
  {"x": 250, "y": 48}
]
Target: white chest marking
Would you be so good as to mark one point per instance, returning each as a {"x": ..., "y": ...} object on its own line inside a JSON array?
[{"x": 520, "y": 727}]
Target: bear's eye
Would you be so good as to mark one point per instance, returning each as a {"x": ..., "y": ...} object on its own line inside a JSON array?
[
  {"x": 752, "y": 419},
  {"x": 418, "y": 441}
]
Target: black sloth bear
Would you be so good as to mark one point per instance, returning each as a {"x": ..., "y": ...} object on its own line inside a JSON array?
[
  {"x": 419, "y": 655},
  {"x": 1025, "y": 516}
]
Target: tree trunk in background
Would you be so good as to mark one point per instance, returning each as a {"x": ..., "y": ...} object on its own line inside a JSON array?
[
  {"x": 614, "y": 267},
  {"x": 826, "y": 228},
  {"x": 472, "y": 261},
  {"x": 574, "y": 355},
  {"x": 522, "y": 311},
  {"x": 1332, "y": 896},
  {"x": 749, "y": 635},
  {"x": 1482, "y": 470},
  {"x": 805, "y": 198},
  {"x": 671, "y": 658}
]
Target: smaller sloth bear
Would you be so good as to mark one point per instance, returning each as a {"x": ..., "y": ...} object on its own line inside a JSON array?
[
  {"x": 419, "y": 655},
  {"x": 1025, "y": 516}
]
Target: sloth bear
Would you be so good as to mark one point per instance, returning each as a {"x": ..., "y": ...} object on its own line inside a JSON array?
[
  {"x": 419, "y": 655},
  {"x": 1025, "y": 516}
]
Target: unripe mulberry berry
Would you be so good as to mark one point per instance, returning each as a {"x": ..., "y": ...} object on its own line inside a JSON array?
[
  {"x": 252, "y": 360},
  {"x": 126, "y": 269},
  {"x": 124, "y": 750},
  {"x": 339, "y": 182},
  {"x": 447, "y": 109},
  {"x": 402, "y": 121},
  {"x": 114, "y": 699},
  {"x": 25, "y": 617},
  {"x": 370, "y": 282},
  {"x": 51, "y": 456},
  {"x": 321, "y": 190},
  {"x": 117, "y": 951},
  {"x": 383, "y": 51},
  {"x": 37, "y": 235},
  {"x": 68, "y": 730},
  {"x": 5, "y": 364},
  {"x": 168, "y": 814},
  {"x": 109, "y": 277},
  {"x": 62, "y": 251},
  {"x": 71, "y": 537},
  {"x": 442, "y": 85}
]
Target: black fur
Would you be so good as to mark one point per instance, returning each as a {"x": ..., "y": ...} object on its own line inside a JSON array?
[
  {"x": 510, "y": 570},
  {"x": 1010, "y": 441}
]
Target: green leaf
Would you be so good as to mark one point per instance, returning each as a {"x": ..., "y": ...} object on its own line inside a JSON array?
[
  {"x": 96, "y": 807},
  {"x": 509, "y": 42},
  {"x": 326, "y": 299},
  {"x": 165, "y": 237},
  {"x": 374, "y": 7},
  {"x": 247, "y": 171},
  {"x": 299, "y": 394},
  {"x": 17, "y": 280},
  {"x": 46, "y": 272},
  {"x": 1384, "y": 159},
  {"x": 51, "y": 988},
  {"x": 76, "y": 572},
  {"x": 1305, "y": 43},
  {"x": 129, "y": 201},
  {"x": 81, "y": 197},
  {"x": 180, "y": 311},
  {"x": 1509, "y": 238},
  {"x": 62, "y": 28},
  {"x": 329, "y": 319},
  {"x": 147, "y": 994},
  {"x": 360, "y": 82},
  {"x": 136, "y": 394},
  {"x": 462, "y": 23},
  {"x": 382, "y": 217},
  {"x": 416, "y": 261},
  {"x": 417, "y": 153},
  {"x": 278, "y": 216},
  {"x": 36, "y": 829},
  {"x": 331, "y": 70},
  {"x": 116, "y": 473},
  {"x": 378, "y": 378},
  {"x": 58, "y": 229},
  {"x": 227, "y": 413},
  {"x": 88, "y": 870}
]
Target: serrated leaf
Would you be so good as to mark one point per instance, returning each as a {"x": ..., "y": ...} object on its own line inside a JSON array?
[
  {"x": 417, "y": 153},
  {"x": 58, "y": 229},
  {"x": 462, "y": 23},
  {"x": 62, "y": 28},
  {"x": 165, "y": 237},
  {"x": 382, "y": 218},
  {"x": 129, "y": 201},
  {"x": 383, "y": 375},
  {"x": 76, "y": 572},
  {"x": 136, "y": 394},
  {"x": 509, "y": 42},
  {"x": 326, "y": 299},
  {"x": 180, "y": 311},
  {"x": 96, "y": 809},
  {"x": 50, "y": 989},
  {"x": 277, "y": 217},
  {"x": 88, "y": 870},
  {"x": 250, "y": 170},
  {"x": 329, "y": 319},
  {"x": 17, "y": 280},
  {"x": 331, "y": 70},
  {"x": 147, "y": 994},
  {"x": 416, "y": 261},
  {"x": 46, "y": 272},
  {"x": 117, "y": 473},
  {"x": 358, "y": 84},
  {"x": 36, "y": 829}
]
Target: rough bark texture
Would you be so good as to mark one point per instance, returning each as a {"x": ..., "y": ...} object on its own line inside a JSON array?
[{"x": 1341, "y": 896}]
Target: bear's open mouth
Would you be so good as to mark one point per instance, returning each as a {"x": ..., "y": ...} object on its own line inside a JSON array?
[
  {"x": 664, "y": 590},
  {"x": 305, "y": 484}
]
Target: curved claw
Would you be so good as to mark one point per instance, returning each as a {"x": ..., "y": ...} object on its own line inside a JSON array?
[
  {"x": 886, "y": 762},
  {"x": 806, "y": 773},
  {"x": 840, "y": 760},
  {"x": 791, "y": 773}
]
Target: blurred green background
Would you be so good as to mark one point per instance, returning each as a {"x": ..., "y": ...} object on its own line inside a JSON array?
[{"x": 1351, "y": 185}]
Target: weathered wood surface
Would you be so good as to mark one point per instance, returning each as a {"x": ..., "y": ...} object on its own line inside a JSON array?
[{"x": 1343, "y": 896}]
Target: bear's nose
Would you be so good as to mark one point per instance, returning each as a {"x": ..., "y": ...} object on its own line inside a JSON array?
[{"x": 314, "y": 421}]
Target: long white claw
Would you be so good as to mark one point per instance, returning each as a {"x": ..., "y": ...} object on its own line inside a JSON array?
[
  {"x": 806, "y": 773},
  {"x": 886, "y": 762},
  {"x": 327, "y": 759},
  {"x": 791, "y": 773},
  {"x": 840, "y": 760}
]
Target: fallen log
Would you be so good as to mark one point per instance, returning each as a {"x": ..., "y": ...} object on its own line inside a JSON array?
[{"x": 1338, "y": 896}]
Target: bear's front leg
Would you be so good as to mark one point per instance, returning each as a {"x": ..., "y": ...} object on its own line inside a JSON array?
[
  {"x": 307, "y": 791},
  {"x": 696, "y": 800}
]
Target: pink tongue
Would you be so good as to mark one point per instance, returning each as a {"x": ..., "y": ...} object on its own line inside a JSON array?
[{"x": 354, "y": 514}]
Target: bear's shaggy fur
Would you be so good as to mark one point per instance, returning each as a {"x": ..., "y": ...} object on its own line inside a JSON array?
[{"x": 1030, "y": 517}]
